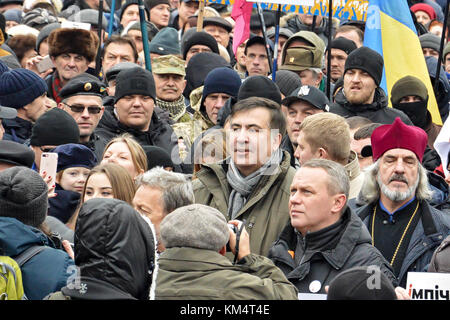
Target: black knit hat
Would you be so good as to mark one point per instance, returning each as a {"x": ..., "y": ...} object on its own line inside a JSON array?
[
  {"x": 23, "y": 195},
  {"x": 153, "y": 3},
  {"x": 367, "y": 60},
  {"x": 343, "y": 44},
  {"x": 53, "y": 128},
  {"x": 259, "y": 86},
  {"x": 157, "y": 156},
  {"x": 358, "y": 284},
  {"x": 135, "y": 81},
  {"x": 128, "y": 3},
  {"x": 200, "y": 38}
]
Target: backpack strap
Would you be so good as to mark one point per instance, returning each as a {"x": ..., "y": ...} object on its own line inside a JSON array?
[{"x": 29, "y": 253}]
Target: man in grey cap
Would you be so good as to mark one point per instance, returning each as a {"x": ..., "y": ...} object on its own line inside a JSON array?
[
  {"x": 446, "y": 58},
  {"x": 90, "y": 16},
  {"x": 430, "y": 44},
  {"x": 194, "y": 265},
  {"x": 301, "y": 103},
  {"x": 284, "y": 35}
]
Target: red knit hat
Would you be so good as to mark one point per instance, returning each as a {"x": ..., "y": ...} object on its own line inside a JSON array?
[
  {"x": 398, "y": 135},
  {"x": 425, "y": 8}
]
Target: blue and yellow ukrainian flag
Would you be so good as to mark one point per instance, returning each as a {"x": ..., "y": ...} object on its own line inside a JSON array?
[{"x": 391, "y": 32}]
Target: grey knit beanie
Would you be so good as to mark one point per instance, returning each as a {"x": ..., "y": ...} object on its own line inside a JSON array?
[
  {"x": 287, "y": 81},
  {"x": 23, "y": 195},
  {"x": 429, "y": 40},
  {"x": 195, "y": 226}
]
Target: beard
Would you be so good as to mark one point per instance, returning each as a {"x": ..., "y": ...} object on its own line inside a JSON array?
[{"x": 396, "y": 195}]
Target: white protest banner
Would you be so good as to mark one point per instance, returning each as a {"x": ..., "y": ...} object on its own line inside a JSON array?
[{"x": 428, "y": 286}]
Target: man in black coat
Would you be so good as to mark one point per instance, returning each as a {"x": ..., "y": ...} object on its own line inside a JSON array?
[
  {"x": 324, "y": 237},
  {"x": 361, "y": 94},
  {"x": 403, "y": 225},
  {"x": 134, "y": 103}
]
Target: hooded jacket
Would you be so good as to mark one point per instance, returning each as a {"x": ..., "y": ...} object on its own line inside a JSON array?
[
  {"x": 114, "y": 251},
  {"x": 378, "y": 111},
  {"x": 46, "y": 272},
  {"x": 266, "y": 210},
  {"x": 191, "y": 273},
  {"x": 326, "y": 253}
]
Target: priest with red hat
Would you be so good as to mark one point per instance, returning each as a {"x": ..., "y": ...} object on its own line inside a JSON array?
[{"x": 404, "y": 227}]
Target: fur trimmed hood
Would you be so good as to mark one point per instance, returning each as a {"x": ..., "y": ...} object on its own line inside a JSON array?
[{"x": 79, "y": 41}]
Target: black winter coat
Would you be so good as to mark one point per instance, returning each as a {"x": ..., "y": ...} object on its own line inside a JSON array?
[
  {"x": 326, "y": 253},
  {"x": 378, "y": 111},
  {"x": 115, "y": 252}
]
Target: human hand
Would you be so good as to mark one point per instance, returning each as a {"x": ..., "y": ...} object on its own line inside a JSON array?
[
  {"x": 31, "y": 64},
  {"x": 244, "y": 240},
  {"x": 51, "y": 188},
  {"x": 68, "y": 248},
  {"x": 402, "y": 294}
]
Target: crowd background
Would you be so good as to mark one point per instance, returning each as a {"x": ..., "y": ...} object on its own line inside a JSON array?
[{"x": 204, "y": 178}]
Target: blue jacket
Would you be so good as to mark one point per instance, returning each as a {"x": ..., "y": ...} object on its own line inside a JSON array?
[
  {"x": 431, "y": 230},
  {"x": 46, "y": 272}
]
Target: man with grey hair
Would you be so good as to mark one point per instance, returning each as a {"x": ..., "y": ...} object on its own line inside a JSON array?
[
  {"x": 403, "y": 225},
  {"x": 324, "y": 237},
  {"x": 158, "y": 193},
  {"x": 194, "y": 265}
]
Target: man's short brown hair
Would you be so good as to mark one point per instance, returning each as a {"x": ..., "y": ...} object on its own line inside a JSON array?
[
  {"x": 277, "y": 119},
  {"x": 121, "y": 40},
  {"x": 330, "y": 132}
]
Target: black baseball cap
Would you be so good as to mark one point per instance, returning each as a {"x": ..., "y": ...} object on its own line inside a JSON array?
[{"x": 310, "y": 94}]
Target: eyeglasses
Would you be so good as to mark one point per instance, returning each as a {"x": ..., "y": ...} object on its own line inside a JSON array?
[{"x": 79, "y": 108}]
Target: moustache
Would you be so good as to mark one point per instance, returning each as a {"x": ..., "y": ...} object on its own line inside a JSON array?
[{"x": 398, "y": 177}]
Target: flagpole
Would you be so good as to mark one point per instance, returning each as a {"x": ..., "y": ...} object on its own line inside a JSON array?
[
  {"x": 144, "y": 33},
  {"x": 441, "y": 48},
  {"x": 98, "y": 59},
  {"x": 201, "y": 13},
  {"x": 111, "y": 18},
  {"x": 263, "y": 27},
  {"x": 330, "y": 22},
  {"x": 275, "y": 50}
]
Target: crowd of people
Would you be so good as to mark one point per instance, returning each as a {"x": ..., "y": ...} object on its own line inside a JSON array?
[{"x": 210, "y": 176}]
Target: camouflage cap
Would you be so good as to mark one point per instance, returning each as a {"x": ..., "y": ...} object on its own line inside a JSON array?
[
  {"x": 168, "y": 64},
  {"x": 302, "y": 58}
]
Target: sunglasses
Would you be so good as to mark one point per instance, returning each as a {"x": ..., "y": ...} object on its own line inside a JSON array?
[{"x": 79, "y": 108}]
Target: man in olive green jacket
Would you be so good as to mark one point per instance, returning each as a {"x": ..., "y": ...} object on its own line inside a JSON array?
[
  {"x": 252, "y": 184},
  {"x": 193, "y": 266}
]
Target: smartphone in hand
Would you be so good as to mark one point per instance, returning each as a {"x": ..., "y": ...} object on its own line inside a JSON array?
[
  {"x": 49, "y": 163},
  {"x": 44, "y": 64}
]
